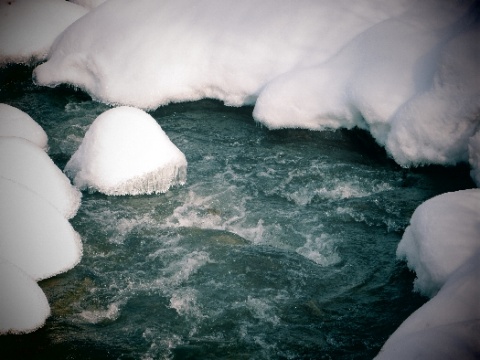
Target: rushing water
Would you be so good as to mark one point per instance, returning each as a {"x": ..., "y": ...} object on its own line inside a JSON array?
[{"x": 280, "y": 245}]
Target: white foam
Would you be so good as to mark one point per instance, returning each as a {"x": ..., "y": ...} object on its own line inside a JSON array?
[
  {"x": 125, "y": 152},
  {"x": 263, "y": 310},
  {"x": 28, "y": 28},
  {"x": 111, "y": 313},
  {"x": 320, "y": 250},
  {"x": 33, "y": 235},
  {"x": 184, "y": 301},
  {"x": 23, "y": 305},
  {"x": 15, "y": 122},
  {"x": 24, "y": 163}
]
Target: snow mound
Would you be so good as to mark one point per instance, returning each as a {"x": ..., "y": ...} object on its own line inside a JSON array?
[
  {"x": 126, "y": 152},
  {"x": 14, "y": 122},
  {"x": 405, "y": 70},
  {"x": 33, "y": 235},
  {"x": 26, "y": 164},
  {"x": 28, "y": 28},
  {"x": 23, "y": 305},
  {"x": 443, "y": 234},
  {"x": 442, "y": 245}
]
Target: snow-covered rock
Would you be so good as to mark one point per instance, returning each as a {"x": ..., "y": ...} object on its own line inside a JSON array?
[{"x": 126, "y": 152}]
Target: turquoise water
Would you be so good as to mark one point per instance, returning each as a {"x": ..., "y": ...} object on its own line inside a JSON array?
[{"x": 281, "y": 245}]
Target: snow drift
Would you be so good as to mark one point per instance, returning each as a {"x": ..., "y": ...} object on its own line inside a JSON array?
[
  {"x": 443, "y": 247},
  {"x": 28, "y": 28},
  {"x": 126, "y": 152},
  {"x": 408, "y": 71},
  {"x": 14, "y": 122}
]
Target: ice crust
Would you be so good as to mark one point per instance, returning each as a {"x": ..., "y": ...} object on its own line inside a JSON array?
[
  {"x": 442, "y": 245},
  {"x": 23, "y": 305},
  {"x": 408, "y": 71},
  {"x": 27, "y": 165},
  {"x": 15, "y": 122},
  {"x": 126, "y": 152},
  {"x": 28, "y": 28}
]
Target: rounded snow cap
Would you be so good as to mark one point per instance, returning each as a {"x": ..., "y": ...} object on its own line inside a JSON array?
[{"x": 126, "y": 152}]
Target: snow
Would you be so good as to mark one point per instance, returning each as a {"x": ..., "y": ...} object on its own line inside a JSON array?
[
  {"x": 447, "y": 326},
  {"x": 126, "y": 152},
  {"x": 36, "y": 239},
  {"x": 474, "y": 158},
  {"x": 14, "y": 122},
  {"x": 443, "y": 234},
  {"x": 28, "y": 28},
  {"x": 29, "y": 166},
  {"x": 23, "y": 305},
  {"x": 88, "y": 4},
  {"x": 33, "y": 235},
  {"x": 407, "y": 71},
  {"x": 442, "y": 245}
]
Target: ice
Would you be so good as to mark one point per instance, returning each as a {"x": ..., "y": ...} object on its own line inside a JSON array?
[
  {"x": 23, "y": 305},
  {"x": 33, "y": 235},
  {"x": 442, "y": 245},
  {"x": 14, "y": 122},
  {"x": 29, "y": 28},
  {"x": 29, "y": 166},
  {"x": 126, "y": 152},
  {"x": 407, "y": 71},
  {"x": 443, "y": 234}
]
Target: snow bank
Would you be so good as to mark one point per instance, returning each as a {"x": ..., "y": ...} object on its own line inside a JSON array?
[
  {"x": 126, "y": 152},
  {"x": 27, "y": 165},
  {"x": 446, "y": 327},
  {"x": 36, "y": 239},
  {"x": 28, "y": 28},
  {"x": 14, "y": 122},
  {"x": 33, "y": 235},
  {"x": 442, "y": 245},
  {"x": 443, "y": 234},
  {"x": 23, "y": 305},
  {"x": 407, "y": 71}
]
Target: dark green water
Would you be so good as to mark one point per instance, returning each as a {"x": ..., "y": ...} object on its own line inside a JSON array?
[{"x": 280, "y": 246}]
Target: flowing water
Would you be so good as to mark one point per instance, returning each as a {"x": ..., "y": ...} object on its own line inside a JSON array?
[{"x": 281, "y": 245}]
